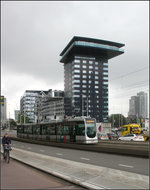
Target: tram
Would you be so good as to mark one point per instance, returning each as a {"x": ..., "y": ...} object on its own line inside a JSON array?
[{"x": 75, "y": 130}]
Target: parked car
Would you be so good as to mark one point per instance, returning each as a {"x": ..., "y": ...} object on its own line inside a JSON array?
[
  {"x": 113, "y": 136},
  {"x": 103, "y": 136},
  {"x": 139, "y": 138},
  {"x": 128, "y": 137},
  {"x": 146, "y": 135}
]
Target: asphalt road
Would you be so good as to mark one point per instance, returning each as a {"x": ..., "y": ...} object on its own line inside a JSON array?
[
  {"x": 16, "y": 175},
  {"x": 120, "y": 162}
]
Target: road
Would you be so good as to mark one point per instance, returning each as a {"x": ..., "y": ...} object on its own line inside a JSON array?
[
  {"x": 19, "y": 176},
  {"x": 120, "y": 162}
]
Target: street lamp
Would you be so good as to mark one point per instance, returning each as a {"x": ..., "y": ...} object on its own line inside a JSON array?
[
  {"x": 83, "y": 104},
  {"x": 54, "y": 109},
  {"x": 9, "y": 120},
  {"x": 9, "y": 116},
  {"x": 20, "y": 117},
  {"x": 87, "y": 107},
  {"x": 24, "y": 117}
]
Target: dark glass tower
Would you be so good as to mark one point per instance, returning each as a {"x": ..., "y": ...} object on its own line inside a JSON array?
[{"x": 86, "y": 76}]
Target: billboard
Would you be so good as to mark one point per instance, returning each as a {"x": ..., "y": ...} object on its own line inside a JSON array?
[{"x": 2, "y": 100}]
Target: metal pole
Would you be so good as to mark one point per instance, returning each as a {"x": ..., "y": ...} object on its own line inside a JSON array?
[
  {"x": 120, "y": 120},
  {"x": 54, "y": 109},
  {"x": 87, "y": 106},
  {"x": 9, "y": 120},
  {"x": 82, "y": 106},
  {"x": 113, "y": 120},
  {"x": 20, "y": 117},
  {"x": 24, "y": 116}
]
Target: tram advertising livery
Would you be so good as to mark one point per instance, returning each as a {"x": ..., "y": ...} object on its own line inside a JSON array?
[{"x": 75, "y": 130}]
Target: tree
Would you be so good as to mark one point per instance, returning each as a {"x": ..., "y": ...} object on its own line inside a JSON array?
[
  {"x": 12, "y": 122},
  {"x": 133, "y": 120},
  {"x": 21, "y": 117},
  {"x": 117, "y": 120}
]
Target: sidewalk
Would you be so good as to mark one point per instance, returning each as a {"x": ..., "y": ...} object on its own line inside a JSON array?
[
  {"x": 19, "y": 176},
  {"x": 86, "y": 175}
]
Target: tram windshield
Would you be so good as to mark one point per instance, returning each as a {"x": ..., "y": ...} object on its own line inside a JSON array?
[{"x": 91, "y": 128}]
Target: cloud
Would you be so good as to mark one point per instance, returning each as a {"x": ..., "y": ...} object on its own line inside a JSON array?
[{"x": 35, "y": 33}]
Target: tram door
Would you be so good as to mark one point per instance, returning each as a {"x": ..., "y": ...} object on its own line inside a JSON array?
[{"x": 72, "y": 132}]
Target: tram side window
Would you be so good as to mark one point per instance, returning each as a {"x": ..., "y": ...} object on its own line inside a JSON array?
[
  {"x": 80, "y": 128},
  {"x": 59, "y": 129},
  {"x": 20, "y": 129},
  {"x": 25, "y": 130},
  {"x": 48, "y": 129},
  {"x": 34, "y": 129},
  {"x": 44, "y": 130},
  {"x": 38, "y": 130},
  {"x": 52, "y": 129},
  {"x": 29, "y": 129},
  {"x": 66, "y": 129}
]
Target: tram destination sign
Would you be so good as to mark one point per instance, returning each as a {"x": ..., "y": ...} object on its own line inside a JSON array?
[{"x": 89, "y": 121}]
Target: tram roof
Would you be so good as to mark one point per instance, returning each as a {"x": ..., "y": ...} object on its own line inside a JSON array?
[{"x": 60, "y": 121}]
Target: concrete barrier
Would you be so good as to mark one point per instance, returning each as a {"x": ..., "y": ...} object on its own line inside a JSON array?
[{"x": 138, "y": 150}]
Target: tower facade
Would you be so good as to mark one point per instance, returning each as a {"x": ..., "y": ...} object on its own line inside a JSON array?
[
  {"x": 138, "y": 105},
  {"x": 133, "y": 106},
  {"x": 3, "y": 111},
  {"x": 86, "y": 76},
  {"x": 143, "y": 104}
]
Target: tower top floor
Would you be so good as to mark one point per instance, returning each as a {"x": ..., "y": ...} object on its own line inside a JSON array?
[{"x": 90, "y": 47}]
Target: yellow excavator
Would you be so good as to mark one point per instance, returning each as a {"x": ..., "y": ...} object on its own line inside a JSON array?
[{"x": 146, "y": 135}]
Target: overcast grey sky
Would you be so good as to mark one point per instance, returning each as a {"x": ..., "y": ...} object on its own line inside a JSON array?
[{"x": 34, "y": 33}]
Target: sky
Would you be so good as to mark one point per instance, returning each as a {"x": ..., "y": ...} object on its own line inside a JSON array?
[{"x": 34, "y": 33}]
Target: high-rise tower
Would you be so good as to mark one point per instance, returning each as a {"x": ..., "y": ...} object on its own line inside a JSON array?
[
  {"x": 143, "y": 104},
  {"x": 138, "y": 105},
  {"x": 86, "y": 76}
]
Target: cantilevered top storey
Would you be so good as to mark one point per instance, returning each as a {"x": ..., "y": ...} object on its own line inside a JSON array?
[{"x": 91, "y": 47}]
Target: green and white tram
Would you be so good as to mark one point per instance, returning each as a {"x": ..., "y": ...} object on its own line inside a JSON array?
[{"x": 77, "y": 130}]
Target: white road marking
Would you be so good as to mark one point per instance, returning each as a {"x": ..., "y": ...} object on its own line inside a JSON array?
[
  {"x": 84, "y": 158},
  {"x": 126, "y": 166},
  {"x": 42, "y": 150},
  {"x": 29, "y": 148},
  {"x": 60, "y": 154}
]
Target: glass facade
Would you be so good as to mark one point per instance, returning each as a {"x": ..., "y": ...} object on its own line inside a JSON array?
[
  {"x": 96, "y": 45},
  {"x": 84, "y": 96},
  {"x": 27, "y": 104}
]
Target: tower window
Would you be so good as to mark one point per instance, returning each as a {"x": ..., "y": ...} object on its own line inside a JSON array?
[{"x": 76, "y": 61}]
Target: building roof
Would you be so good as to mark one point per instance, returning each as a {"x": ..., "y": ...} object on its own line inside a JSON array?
[
  {"x": 36, "y": 91},
  {"x": 91, "y": 46}
]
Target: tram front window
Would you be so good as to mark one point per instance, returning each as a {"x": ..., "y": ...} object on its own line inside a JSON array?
[{"x": 91, "y": 130}]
